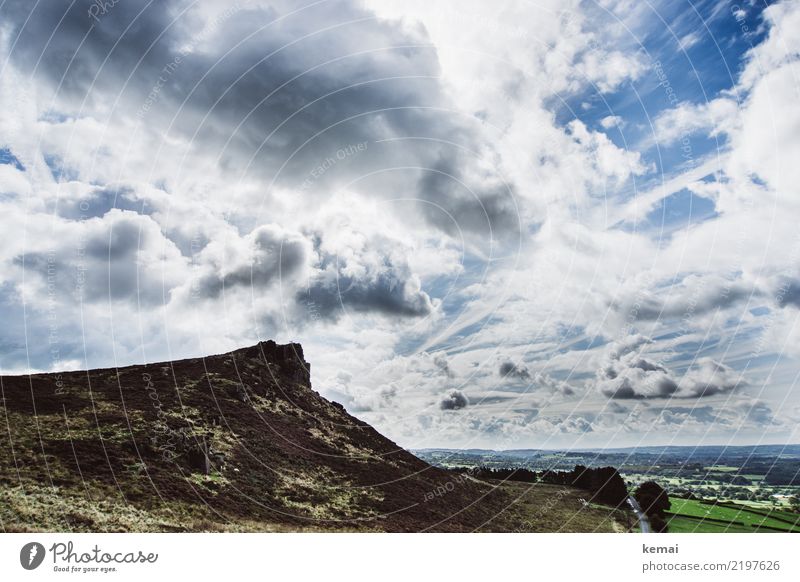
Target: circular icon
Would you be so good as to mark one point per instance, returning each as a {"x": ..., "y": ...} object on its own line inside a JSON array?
[{"x": 31, "y": 555}]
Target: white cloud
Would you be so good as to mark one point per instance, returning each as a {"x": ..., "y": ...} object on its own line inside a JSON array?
[
  {"x": 612, "y": 121},
  {"x": 679, "y": 123},
  {"x": 687, "y": 41}
]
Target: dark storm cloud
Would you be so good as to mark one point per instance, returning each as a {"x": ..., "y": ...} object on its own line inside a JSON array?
[
  {"x": 281, "y": 92},
  {"x": 454, "y": 400},
  {"x": 512, "y": 370},
  {"x": 275, "y": 255}
]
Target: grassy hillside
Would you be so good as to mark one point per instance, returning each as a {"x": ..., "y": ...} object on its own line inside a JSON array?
[
  {"x": 239, "y": 442},
  {"x": 540, "y": 507}
]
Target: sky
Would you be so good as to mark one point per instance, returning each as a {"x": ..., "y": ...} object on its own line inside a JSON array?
[{"x": 491, "y": 225}]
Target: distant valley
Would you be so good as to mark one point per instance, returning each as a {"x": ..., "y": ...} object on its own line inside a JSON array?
[{"x": 712, "y": 488}]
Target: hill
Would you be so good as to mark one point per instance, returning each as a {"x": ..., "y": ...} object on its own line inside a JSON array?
[{"x": 238, "y": 441}]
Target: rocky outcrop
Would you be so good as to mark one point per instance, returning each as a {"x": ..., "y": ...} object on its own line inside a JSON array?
[{"x": 282, "y": 363}]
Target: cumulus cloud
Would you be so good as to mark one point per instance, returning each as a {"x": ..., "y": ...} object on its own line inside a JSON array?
[
  {"x": 714, "y": 117},
  {"x": 683, "y": 415},
  {"x": 553, "y": 385},
  {"x": 538, "y": 381},
  {"x": 757, "y": 412},
  {"x": 370, "y": 277},
  {"x": 116, "y": 257},
  {"x": 266, "y": 255},
  {"x": 617, "y": 408},
  {"x": 788, "y": 294},
  {"x": 610, "y": 161},
  {"x": 512, "y": 370},
  {"x": 689, "y": 298},
  {"x": 612, "y": 121},
  {"x": 628, "y": 374},
  {"x": 458, "y": 201},
  {"x": 442, "y": 363},
  {"x": 454, "y": 400},
  {"x": 708, "y": 378},
  {"x": 574, "y": 424}
]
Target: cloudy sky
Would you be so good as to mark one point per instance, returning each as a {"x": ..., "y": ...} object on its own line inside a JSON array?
[{"x": 490, "y": 224}]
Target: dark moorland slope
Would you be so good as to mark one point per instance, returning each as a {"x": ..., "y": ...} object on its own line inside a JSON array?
[
  {"x": 238, "y": 441},
  {"x": 235, "y": 441}
]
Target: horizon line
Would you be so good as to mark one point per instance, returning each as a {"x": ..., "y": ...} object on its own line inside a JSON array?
[{"x": 588, "y": 449}]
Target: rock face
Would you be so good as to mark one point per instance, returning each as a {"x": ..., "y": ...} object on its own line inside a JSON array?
[
  {"x": 233, "y": 441},
  {"x": 282, "y": 362}
]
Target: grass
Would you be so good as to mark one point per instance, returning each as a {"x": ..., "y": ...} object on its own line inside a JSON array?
[
  {"x": 41, "y": 509},
  {"x": 696, "y": 516},
  {"x": 681, "y": 524},
  {"x": 540, "y": 507}
]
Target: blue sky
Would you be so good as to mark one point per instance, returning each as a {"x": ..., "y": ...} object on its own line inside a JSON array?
[{"x": 568, "y": 224}]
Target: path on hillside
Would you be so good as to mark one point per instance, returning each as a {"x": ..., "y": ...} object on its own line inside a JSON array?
[{"x": 644, "y": 521}]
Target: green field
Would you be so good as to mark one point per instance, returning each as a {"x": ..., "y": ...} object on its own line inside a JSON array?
[
  {"x": 689, "y": 516},
  {"x": 678, "y": 524}
]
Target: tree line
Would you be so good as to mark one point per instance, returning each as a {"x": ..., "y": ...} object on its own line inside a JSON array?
[{"x": 604, "y": 484}]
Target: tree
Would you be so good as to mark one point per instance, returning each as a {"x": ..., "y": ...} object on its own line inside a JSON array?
[
  {"x": 652, "y": 498},
  {"x": 658, "y": 523},
  {"x": 609, "y": 486}
]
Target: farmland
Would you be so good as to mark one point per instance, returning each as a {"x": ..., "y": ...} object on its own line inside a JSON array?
[
  {"x": 691, "y": 516},
  {"x": 756, "y": 476},
  {"x": 712, "y": 489}
]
